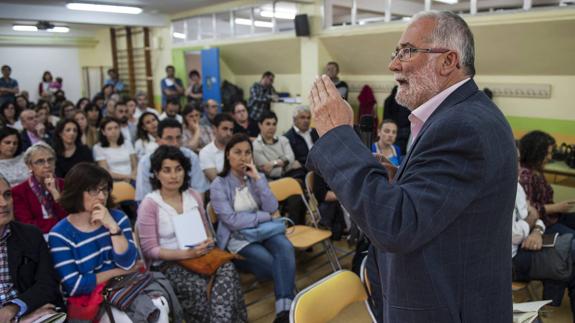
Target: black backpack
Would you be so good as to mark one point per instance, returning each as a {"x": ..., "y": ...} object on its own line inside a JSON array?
[{"x": 230, "y": 95}]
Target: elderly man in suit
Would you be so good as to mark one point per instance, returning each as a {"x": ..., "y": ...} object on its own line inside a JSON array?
[{"x": 441, "y": 229}]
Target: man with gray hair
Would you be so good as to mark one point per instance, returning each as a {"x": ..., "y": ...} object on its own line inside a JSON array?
[
  {"x": 301, "y": 136},
  {"x": 440, "y": 230},
  {"x": 142, "y": 106}
]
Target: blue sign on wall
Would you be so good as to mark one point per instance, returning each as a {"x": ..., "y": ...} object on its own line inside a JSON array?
[{"x": 211, "y": 74}]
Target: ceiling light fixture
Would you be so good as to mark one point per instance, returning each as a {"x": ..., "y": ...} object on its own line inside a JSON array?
[
  {"x": 24, "y": 28},
  {"x": 103, "y": 8},
  {"x": 33, "y": 28},
  {"x": 278, "y": 14},
  {"x": 447, "y": 1},
  {"x": 179, "y": 35},
  {"x": 257, "y": 23}
]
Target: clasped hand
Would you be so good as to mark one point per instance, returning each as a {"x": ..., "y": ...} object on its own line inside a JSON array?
[{"x": 329, "y": 110}]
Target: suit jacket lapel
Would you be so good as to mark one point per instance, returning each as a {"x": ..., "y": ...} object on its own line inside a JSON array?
[{"x": 462, "y": 93}]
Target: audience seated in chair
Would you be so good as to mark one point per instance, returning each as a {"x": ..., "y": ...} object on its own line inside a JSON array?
[
  {"x": 332, "y": 216},
  {"x": 196, "y": 136},
  {"x": 146, "y": 134},
  {"x": 242, "y": 199},
  {"x": 527, "y": 242},
  {"x": 243, "y": 123},
  {"x": 385, "y": 149},
  {"x": 36, "y": 199},
  {"x": 535, "y": 150},
  {"x": 212, "y": 155},
  {"x": 114, "y": 153},
  {"x": 202, "y": 300},
  {"x": 170, "y": 133},
  {"x": 94, "y": 244},
  {"x": 29, "y": 282},
  {"x": 301, "y": 136},
  {"x": 12, "y": 165},
  {"x": 69, "y": 147},
  {"x": 273, "y": 156},
  {"x": 32, "y": 131}
]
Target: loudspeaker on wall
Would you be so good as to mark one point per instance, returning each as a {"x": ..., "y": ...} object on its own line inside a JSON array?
[{"x": 301, "y": 25}]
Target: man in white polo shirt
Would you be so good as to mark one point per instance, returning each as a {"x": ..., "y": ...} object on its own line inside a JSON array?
[{"x": 212, "y": 155}]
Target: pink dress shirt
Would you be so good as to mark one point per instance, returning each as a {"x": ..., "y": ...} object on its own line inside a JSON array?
[{"x": 420, "y": 114}]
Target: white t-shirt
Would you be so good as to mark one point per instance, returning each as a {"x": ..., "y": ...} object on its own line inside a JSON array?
[
  {"x": 212, "y": 157},
  {"x": 118, "y": 159},
  {"x": 144, "y": 148}
]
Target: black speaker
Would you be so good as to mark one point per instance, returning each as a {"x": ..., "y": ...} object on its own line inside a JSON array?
[{"x": 301, "y": 25}]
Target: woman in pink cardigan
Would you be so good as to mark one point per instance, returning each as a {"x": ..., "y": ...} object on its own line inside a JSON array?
[{"x": 171, "y": 198}]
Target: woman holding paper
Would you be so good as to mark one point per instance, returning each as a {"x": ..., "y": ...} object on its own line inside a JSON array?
[
  {"x": 173, "y": 226},
  {"x": 242, "y": 199}
]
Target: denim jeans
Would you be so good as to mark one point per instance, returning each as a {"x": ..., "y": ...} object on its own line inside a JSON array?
[{"x": 272, "y": 259}]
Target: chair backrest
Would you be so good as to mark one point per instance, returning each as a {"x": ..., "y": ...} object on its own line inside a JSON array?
[
  {"x": 122, "y": 191},
  {"x": 212, "y": 213},
  {"x": 322, "y": 301},
  {"x": 284, "y": 188},
  {"x": 309, "y": 183}
]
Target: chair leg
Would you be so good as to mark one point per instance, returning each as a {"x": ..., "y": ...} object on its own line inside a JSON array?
[{"x": 331, "y": 256}]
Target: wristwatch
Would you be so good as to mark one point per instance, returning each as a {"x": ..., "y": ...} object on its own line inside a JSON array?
[
  {"x": 117, "y": 233},
  {"x": 275, "y": 162},
  {"x": 538, "y": 229}
]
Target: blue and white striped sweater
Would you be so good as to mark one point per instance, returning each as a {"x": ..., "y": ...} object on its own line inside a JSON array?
[{"x": 78, "y": 256}]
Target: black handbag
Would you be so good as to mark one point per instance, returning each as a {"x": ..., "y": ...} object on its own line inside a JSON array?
[{"x": 553, "y": 263}]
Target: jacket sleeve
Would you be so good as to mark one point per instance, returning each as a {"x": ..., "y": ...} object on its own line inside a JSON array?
[
  {"x": 23, "y": 207},
  {"x": 148, "y": 229},
  {"x": 224, "y": 208},
  {"x": 45, "y": 288},
  {"x": 432, "y": 193}
]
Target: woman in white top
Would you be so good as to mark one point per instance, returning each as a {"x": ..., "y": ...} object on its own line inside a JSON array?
[
  {"x": 115, "y": 154},
  {"x": 147, "y": 134},
  {"x": 161, "y": 244},
  {"x": 12, "y": 164}
]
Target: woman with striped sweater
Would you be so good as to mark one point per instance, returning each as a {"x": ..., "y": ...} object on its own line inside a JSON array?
[{"x": 94, "y": 244}]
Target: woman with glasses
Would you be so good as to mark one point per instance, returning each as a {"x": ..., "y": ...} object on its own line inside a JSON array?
[
  {"x": 69, "y": 148},
  {"x": 94, "y": 243},
  {"x": 12, "y": 164},
  {"x": 115, "y": 154},
  {"x": 242, "y": 199},
  {"x": 171, "y": 198},
  {"x": 147, "y": 134},
  {"x": 35, "y": 200}
]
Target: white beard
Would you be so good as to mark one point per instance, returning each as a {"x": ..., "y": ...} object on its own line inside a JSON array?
[{"x": 422, "y": 85}]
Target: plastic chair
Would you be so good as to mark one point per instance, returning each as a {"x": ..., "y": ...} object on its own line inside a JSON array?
[
  {"x": 303, "y": 237},
  {"x": 365, "y": 282},
  {"x": 325, "y": 299},
  {"x": 122, "y": 191}
]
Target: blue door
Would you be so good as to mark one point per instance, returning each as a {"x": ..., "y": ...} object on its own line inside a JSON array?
[{"x": 211, "y": 74}]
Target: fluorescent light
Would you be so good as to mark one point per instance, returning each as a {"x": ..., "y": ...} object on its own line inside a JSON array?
[
  {"x": 257, "y": 23},
  {"x": 406, "y": 18},
  {"x": 179, "y": 35},
  {"x": 447, "y": 1},
  {"x": 59, "y": 29},
  {"x": 279, "y": 14},
  {"x": 103, "y": 8},
  {"x": 24, "y": 28}
]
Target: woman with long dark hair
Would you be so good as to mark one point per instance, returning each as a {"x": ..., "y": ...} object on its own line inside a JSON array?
[
  {"x": 535, "y": 149},
  {"x": 69, "y": 147},
  {"x": 10, "y": 115},
  {"x": 242, "y": 199},
  {"x": 147, "y": 133}
]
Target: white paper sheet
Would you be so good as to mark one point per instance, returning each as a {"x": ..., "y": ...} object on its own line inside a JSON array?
[{"x": 190, "y": 230}]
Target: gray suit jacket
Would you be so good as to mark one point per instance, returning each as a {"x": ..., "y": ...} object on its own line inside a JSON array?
[{"x": 442, "y": 229}]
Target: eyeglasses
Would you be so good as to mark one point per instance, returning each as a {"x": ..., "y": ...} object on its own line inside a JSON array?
[
  {"x": 404, "y": 54},
  {"x": 94, "y": 192},
  {"x": 42, "y": 162}
]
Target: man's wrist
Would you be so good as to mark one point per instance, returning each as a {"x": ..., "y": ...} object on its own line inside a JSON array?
[
  {"x": 16, "y": 308},
  {"x": 538, "y": 229}
]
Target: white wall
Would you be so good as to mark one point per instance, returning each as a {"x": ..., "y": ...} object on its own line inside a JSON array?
[{"x": 29, "y": 63}]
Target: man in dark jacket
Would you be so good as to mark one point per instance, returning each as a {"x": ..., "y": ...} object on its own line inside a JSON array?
[
  {"x": 28, "y": 282},
  {"x": 301, "y": 136}
]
